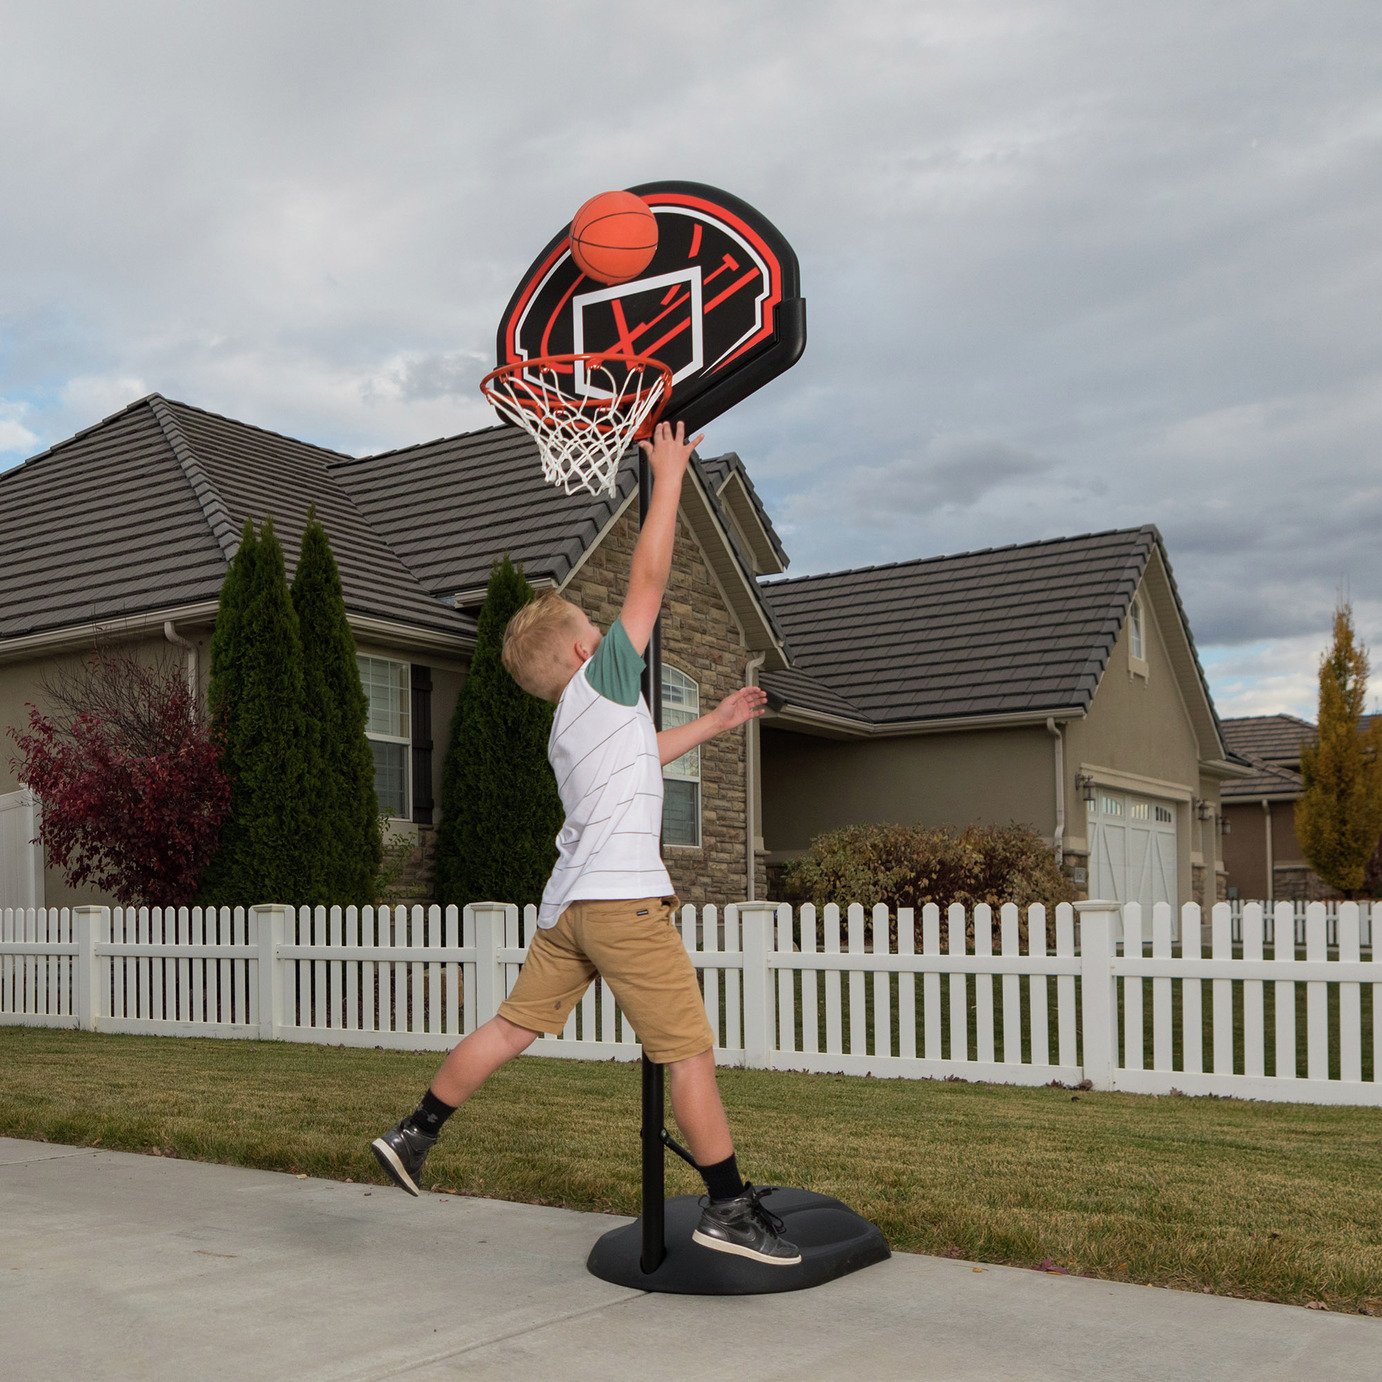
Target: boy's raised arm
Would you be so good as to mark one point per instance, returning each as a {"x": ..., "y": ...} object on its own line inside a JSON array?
[{"x": 668, "y": 453}]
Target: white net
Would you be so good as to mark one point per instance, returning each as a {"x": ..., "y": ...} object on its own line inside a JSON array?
[{"x": 583, "y": 412}]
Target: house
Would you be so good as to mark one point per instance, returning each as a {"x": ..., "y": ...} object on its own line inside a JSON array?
[
  {"x": 1054, "y": 683},
  {"x": 1262, "y": 856},
  {"x": 124, "y": 532}
]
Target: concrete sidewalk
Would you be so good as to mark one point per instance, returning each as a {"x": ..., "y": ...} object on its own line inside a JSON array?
[{"x": 121, "y": 1266}]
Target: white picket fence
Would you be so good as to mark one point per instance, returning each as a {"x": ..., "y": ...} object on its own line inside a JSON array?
[
  {"x": 1095, "y": 994},
  {"x": 1366, "y": 912}
]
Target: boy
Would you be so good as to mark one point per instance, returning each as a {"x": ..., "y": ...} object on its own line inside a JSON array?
[{"x": 608, "y": 906}]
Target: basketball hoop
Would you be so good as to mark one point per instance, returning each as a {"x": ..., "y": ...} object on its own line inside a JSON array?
[{"x": 583, "y": 411}]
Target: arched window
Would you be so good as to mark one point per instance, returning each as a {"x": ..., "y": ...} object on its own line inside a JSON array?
[
  {"x": 681, "y": 780},
  {"x": 1137, "y": 646}
]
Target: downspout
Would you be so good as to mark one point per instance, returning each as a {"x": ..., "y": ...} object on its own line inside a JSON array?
[
  {"x": 1055, "y": 731},
  {"x": 751, "y": 753},
  {"x": 173, "y": 636},
  {"x": 1271, "y": 865}
]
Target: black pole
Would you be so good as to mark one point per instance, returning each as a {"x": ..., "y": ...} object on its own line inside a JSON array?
[{"x": 651, "y": 1133}]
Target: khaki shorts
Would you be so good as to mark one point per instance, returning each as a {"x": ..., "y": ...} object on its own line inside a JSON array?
[{"x": 635, "y": 947}]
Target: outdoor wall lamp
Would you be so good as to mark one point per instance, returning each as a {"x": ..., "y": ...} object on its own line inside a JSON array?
[
  {"x": 1086, "y": 785},
  {"x": 1203, "y": 810},
  {"x": 1225, "y": 825}
]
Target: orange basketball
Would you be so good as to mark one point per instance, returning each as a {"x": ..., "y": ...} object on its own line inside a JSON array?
[{"x": 613, "y": 237}]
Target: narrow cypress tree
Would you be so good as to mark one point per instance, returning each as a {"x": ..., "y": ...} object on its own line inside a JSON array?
[
  {"x": 500, "y": 812},
  {"x": 341, "y": 774},
  {"x": 1339, "y": 814},
  {"x": 257, "y": 702}
]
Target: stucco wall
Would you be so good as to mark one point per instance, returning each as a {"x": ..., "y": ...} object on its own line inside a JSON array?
[
  {"x": 701, "y": 638},
  {"x": 811, "y": 785},
  {"x": 21, "y": 682},
  {"x": 1138, "y": 736}
]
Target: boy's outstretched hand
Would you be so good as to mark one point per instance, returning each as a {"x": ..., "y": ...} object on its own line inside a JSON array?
[
  {"x": 668, "y": 451},
  {"x": 748, "y": 703}
]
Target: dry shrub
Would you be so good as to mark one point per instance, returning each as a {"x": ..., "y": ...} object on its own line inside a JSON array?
[{"x": 911, "y": 865}]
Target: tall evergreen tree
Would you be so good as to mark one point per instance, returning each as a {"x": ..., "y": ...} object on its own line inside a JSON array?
[
  {"x": 257, "y": 704},
  {"x": 346, "y": 846},
  {"x": 500, "y": 812},
  {"x": 1339, "y": 814}
]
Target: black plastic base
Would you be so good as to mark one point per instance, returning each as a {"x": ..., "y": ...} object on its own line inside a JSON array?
[{"x": 833, "y": 1239}]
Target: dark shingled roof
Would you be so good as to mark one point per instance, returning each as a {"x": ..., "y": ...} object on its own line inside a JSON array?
[
  {"x": 143, "y": 511},
  {"x": 719, "y": 471},
  {"x": 1271, "y": 745},
  {"x": 452, "y": 507},
  {"x": 1270, "y": 738},
  {"x": 1267, "y": 780},
  {"x": 1005, "y": 631}
]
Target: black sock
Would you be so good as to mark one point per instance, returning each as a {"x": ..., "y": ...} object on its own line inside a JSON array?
[
  {"x": 430, "y": 1114},
  {"x": 723, "y": 1180}
]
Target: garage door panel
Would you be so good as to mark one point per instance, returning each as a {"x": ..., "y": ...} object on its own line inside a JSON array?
[{"x": 1132, "y": 849}]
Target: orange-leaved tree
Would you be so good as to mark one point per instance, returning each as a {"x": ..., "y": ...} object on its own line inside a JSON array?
[{"x": 1339, "y": 814}]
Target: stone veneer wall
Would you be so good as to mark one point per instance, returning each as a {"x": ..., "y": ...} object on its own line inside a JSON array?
[{"x": 701, "y": 638}]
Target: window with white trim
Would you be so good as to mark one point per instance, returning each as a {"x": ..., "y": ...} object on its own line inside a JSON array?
[
  {"x": 681, "y": 779},
  {"x": 387, "y": 686},
  {"x": 1136, "y": 643}
]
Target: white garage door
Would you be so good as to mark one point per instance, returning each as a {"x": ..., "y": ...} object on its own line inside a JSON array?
[
  {"x": 1132, "y": 848},
  {"x": 21, "y": 863}
]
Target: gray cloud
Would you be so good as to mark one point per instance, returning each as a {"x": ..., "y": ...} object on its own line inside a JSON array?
[{"x": 1126, "y": 255}]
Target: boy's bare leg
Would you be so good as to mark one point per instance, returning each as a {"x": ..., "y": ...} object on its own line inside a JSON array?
[
  {"x": 402, "y": 1150},
  {"x": 473, "y": 1060},
  {"x": 733, "y": 1219},
  {"x": 698, "y": 1110}
]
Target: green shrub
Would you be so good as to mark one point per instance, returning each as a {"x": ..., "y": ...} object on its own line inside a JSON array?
[{"x": 911, "y": 865}]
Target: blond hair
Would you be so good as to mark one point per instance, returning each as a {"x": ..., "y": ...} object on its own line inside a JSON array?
[{"x": 535, "y": 642}]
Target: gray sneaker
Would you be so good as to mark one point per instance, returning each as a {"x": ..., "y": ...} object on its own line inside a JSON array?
[
  {"x": 743, "y": 1226},
  {"x": 401, "y": 1152}
]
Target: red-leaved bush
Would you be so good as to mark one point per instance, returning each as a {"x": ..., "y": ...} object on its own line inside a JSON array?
[{"x": 131, "y": 803}]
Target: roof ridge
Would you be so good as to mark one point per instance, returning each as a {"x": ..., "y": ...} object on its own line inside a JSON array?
[
  {"x": 956, "y": 556},
  {"x": 47, "y": 452},
  {"x": 207, "y": 495},
  {"x": 253, "y": 427},
  {"x": 436, "y": 441}
]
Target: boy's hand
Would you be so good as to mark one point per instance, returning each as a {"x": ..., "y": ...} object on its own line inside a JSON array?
[
  {"x": 748, "y": 703},
  {"x": 668, "y": 451}
]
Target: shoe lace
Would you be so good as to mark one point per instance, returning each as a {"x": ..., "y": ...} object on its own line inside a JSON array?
[{"x": 761, "y": 1212}]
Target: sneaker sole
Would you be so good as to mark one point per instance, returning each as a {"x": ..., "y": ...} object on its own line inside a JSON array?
[
  {"x": 719, "y": 1245},
  {"x": 388, "y": 1159}
]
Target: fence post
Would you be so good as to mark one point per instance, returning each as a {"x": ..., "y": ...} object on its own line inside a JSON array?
[
  {"x": 271, "y": 921},
  {"x": 1098, "y": 1007},
  {"x": 88, "y": 925},
  {"x": 757, "y": 927},
  {"x": 487, "y": 925}
]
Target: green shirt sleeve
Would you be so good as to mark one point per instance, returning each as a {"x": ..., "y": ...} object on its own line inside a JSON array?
[{"x": 616, "y": 669}]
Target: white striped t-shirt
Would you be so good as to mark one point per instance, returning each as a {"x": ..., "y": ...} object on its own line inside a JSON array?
[{"x": 603, "y": 749}]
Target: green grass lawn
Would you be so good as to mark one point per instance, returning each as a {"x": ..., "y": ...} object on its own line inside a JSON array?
[{"x": 1271, "y": 1201}]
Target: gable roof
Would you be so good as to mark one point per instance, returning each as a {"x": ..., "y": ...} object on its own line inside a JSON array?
[
  {"x": 1266, "y": 780},
  {"x": 143, "y": 511},
  {"x": 1008, "y": 632},
  {"x": 1271, "y": 744},
  {"x": 1269, "y": 738},
  {"x": 729, "y": 482},
  {"x": 453, "y": 506}
]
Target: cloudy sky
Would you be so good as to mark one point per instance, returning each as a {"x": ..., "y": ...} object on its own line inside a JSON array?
[{"x": 1069, "y": 265}]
